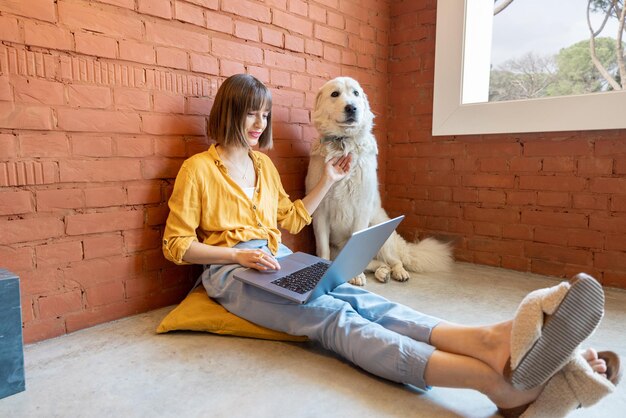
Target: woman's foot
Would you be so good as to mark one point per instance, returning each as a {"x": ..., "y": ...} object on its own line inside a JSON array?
[
  {"x": 506, "y": 397},
  {"x": 549, "y": 325},
  {"x": 539, "y": 340},
  {"x": 597, "y": 364},
  {"x": 605, "y": 364}
]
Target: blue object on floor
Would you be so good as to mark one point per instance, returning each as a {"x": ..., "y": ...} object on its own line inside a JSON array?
[{"x": 11, "y": 344}]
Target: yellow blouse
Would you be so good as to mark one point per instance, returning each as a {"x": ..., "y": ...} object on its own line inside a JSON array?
[{"x": 208, "y": 206}]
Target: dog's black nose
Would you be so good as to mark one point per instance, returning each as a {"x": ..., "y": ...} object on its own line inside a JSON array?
[{"x": 350, "y": 109}]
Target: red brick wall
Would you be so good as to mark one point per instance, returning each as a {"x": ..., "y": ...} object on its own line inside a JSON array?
[
  {"x": 101, "y": 101},
  {"x": 550, "y": 203}
]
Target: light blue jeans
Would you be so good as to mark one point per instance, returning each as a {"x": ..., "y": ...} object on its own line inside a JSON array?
[{"x": 385, "y": 338}]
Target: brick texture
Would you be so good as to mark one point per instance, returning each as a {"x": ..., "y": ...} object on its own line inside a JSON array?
[
  {"x": 550, "y": 203},
  {"x": 101, "y": 102}
]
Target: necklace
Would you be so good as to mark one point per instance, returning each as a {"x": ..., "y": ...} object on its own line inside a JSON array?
[{"x": 243, "y": 175}]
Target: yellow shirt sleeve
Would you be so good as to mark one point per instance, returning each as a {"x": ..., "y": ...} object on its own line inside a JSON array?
[
  {"x": 291, "y": 216},
  {"x": 184, "y": 216}
]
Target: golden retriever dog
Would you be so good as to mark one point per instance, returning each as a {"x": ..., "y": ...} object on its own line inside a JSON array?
[{"x": 344, "y": 121}]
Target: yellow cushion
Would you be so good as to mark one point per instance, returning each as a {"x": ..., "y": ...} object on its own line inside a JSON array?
[{"x": 198, "y": 312}]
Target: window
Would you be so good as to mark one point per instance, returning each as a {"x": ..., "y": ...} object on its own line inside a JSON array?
[{"x": 460, "y": 67}]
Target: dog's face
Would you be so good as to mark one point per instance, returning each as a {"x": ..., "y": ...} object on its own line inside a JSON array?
[{"x": 342, "y": 109}]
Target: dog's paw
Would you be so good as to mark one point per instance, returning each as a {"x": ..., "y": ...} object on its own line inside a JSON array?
[
  {"x": 382, "y": 274},
  {"x": 359, "y": 280},
  {"x": 399, "y": 273}
]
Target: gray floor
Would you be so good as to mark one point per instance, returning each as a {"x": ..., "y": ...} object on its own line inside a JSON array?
[{"x": 124, "y": 369}]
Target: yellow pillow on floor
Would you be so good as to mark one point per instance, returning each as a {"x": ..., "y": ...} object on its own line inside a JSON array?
[{"x": 198, "y": 312}]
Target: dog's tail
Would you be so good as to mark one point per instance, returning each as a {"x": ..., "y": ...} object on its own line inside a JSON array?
[{"x": 427, "y": 255}]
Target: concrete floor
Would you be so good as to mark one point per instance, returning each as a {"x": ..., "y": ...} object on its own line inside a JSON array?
[{"x": 123, "y": 369}]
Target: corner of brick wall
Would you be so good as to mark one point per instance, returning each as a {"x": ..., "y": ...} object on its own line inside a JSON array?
[
  {"x": 101, "y": 101},
  {"x": 549, "y": 203}
]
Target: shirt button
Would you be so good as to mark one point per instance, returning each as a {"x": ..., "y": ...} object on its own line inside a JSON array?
[
  {"x": 254, "y": 207},
  {"x": 260, "y": 224}
]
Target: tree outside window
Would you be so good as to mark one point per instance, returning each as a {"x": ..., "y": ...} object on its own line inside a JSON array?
[{"x": 593, "y": 63}]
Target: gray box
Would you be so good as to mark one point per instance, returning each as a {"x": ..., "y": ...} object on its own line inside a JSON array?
[{"x": 11, "y": 343}]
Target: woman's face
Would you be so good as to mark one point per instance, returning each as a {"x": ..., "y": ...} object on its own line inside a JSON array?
[{"x": 256, "y": 122}]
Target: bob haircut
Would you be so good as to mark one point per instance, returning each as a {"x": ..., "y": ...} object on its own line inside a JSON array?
[{"x": 238, "y": 95}]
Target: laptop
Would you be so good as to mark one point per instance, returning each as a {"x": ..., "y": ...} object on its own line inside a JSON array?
[{"x": 303, "y": 277}]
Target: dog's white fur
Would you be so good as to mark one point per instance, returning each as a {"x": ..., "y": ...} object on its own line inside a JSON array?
[{"x": 344, "y": 121}]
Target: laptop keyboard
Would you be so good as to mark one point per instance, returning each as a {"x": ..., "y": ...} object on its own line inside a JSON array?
[{"x": 302, "y": 281}]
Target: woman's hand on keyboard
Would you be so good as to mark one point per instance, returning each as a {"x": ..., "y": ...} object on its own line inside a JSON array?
[{"x": 256, "y": 259}]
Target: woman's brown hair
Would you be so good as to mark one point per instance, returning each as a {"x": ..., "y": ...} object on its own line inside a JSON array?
[{"x": 238, "y": 95}]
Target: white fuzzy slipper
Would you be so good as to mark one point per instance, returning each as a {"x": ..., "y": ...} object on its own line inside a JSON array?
[
  {"x": 574, "y": 386},
  {"x": 548, "y": 327}
]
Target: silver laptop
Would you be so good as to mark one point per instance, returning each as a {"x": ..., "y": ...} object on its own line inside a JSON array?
[{"x": 303, "y": 277}]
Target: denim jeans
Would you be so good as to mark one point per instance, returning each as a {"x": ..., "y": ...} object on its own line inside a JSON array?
[{"x": 385, "y": 338}]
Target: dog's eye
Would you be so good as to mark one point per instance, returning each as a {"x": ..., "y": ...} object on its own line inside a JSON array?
[
  {"x": 334, "y": 94},
  {"x": 356, "y": 93}
]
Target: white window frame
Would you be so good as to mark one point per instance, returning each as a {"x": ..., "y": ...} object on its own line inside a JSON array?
[{"x": 451, "y": 117}]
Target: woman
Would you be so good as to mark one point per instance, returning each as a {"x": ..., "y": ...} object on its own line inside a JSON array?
[{"x": 225, "y": 210}]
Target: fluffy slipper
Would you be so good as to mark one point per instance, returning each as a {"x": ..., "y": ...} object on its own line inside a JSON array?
[
  {"x": 575, "y": 385},
  {"x": 613, "y": 367},
  {"x": 548, "y": 327}
]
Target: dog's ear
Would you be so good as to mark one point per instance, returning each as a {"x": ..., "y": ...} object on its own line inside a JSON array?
[
  {"x": 318, "y": 98},
  {"x": 368, "y": 109}
]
